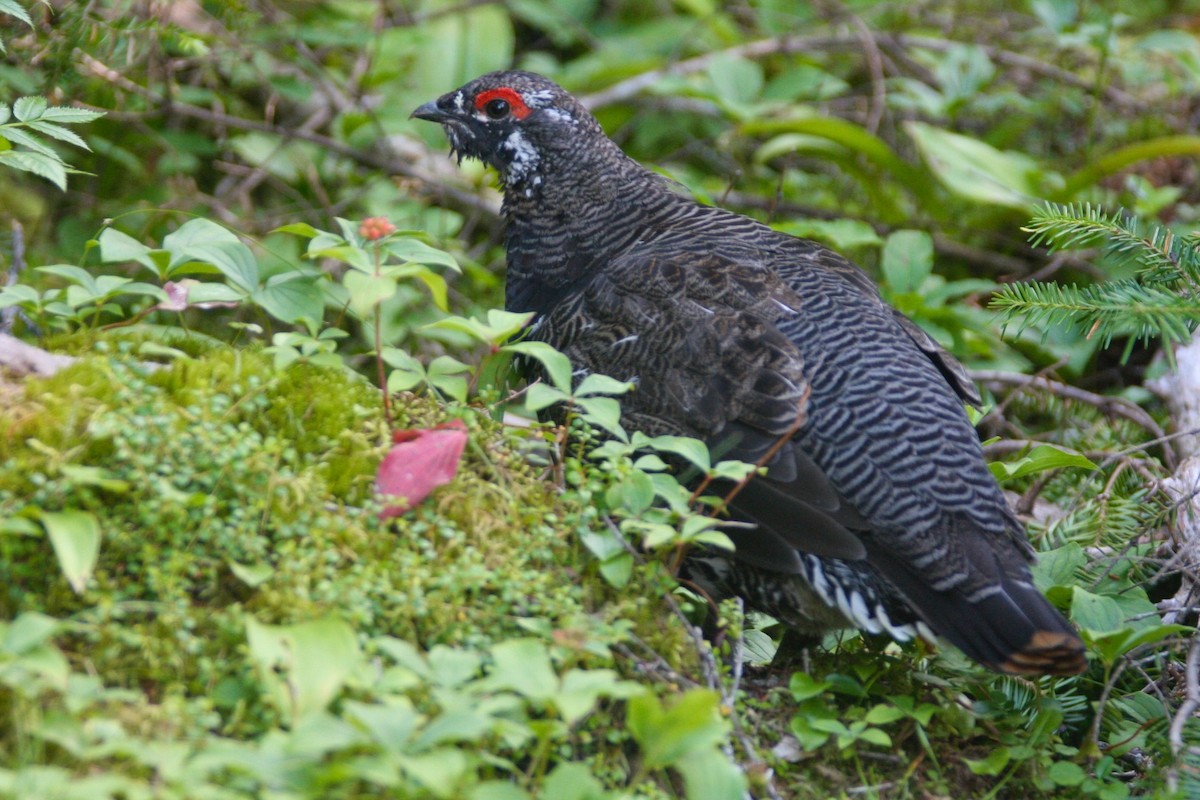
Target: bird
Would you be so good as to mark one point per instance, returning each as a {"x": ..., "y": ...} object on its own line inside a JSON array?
[{"x": 876, "y": 508}]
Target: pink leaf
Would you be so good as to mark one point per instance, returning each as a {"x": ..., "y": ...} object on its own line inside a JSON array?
[{"x": 420, "y": 461}]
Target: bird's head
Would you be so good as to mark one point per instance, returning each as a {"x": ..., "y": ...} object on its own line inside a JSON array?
[{"x": 515, "y": 121}]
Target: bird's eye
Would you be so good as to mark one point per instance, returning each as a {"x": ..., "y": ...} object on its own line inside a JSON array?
[{"x": 497, "y": 108}]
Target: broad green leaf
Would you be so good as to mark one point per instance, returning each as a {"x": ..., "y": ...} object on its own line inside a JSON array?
[
  {"x": 1059, "y": 566},
  {"x": 72, "y": 273},
  {"x": 29, "y": 630},
  {"x": 299, "y": 229},
  {"x": 523, "y": 666},
  {"x": 693, "y": 450},
  {"x": 603, "y": 413},
  {"x": 907, "y": 260},
  {"x": 407, "y": 248},
  {"x": 1096, "y": 613},
  {"x": 303, "y": 666},
  {"x": 633, "y": 494},
  {"x": 1066, "y": 773},
  {"x": 853, "y": 137},
  {"x": 693, "y": 724},
  {"x": 993, "y": 764},
  {"x": 1039, "y": 459},
  {"x": 803, "y": 686},
  {"x": 710, "y": 776},
  {"x": 367, "y": 291},
  {"x": 503, "y": 790},
  {"x": 75, "y": 536},
  {"x": 557, "y": 365},
  {"x": 499, "y": 327},
  {"x": 975, "y": 170},
  {"x": 440, "y": 771},
  {"x": 117, "y": 246},
  {"x": 445, "y": 374},
  {"x": 572, "y": 782},
  {"x": 291, "y": 297},
  {"x": 200, "y": 240},
  {"x": 539, "y": 396}
]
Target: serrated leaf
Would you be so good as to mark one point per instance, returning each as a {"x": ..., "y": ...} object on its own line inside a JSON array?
[
  {"x": 38, "y": 164},
  {"x": 11, "y": 8},
  {"x": 70, "y": 115},
  {"x": 29, "y": 108},
  {"x": 57, "y": 132},
  {"x": 25, "y": 139}
]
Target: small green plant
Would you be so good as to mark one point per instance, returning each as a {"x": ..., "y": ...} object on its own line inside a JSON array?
[
  {"x": 1158, "y": 301},
  {"x": 25, "y": 126}
]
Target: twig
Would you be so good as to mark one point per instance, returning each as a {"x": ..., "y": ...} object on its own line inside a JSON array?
[
  {"x": 1185, "y": 712},
  {"x": 390, "y": 160},
  {"x": 1112, "y": 406}
]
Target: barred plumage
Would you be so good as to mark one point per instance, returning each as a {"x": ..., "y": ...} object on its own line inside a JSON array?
[{"x": 879, "y": 510}]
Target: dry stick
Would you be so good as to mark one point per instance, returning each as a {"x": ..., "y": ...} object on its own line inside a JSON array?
[
  {"x": 631, "y": 87},
  {"x": 1113, "y": 406},
  {"x": 1186, "y": 709},
  {"x": 471, "y": 201}
]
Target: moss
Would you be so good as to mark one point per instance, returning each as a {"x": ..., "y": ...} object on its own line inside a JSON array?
[{"x": 224, "y": 488}]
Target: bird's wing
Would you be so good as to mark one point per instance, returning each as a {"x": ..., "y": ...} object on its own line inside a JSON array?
[{"x": 698, "y": 336}]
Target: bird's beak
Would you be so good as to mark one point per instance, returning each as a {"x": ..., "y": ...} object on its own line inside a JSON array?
[{"x": 431, "y": 112}]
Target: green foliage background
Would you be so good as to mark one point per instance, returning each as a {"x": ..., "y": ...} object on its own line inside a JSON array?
[{"x": 197, "y": 598}]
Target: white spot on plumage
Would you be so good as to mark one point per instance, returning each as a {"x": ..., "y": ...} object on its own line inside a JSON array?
[
  {"x": 633, "y": 337},
  {"x": 524, "y": 159}
]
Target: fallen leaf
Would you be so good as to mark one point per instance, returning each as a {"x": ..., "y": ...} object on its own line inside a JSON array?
[{"x": 421, "y": 459}]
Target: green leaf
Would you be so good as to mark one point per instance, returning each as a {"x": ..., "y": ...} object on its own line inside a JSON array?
[
  {"x": 70, "y": 115},
  {"x": 445, "y": 374},
  {"x": 117, "y": 246},
  {"x": 602, "y": 384},
  {"x": 1095, "y": 613},
  {"x": 303, "y": 666},
  {"x": 557, "y": 365},
  {"x": 633, "y": 494},
  {"x": 44, "y": 166},
  {"x": 407, "y": 248},
  {"x": 693, "y": 450},
  {"x": 1066, "y": 773},
  {"x": 907, "y": 260},
  {"x": 710, "y": 776},
  {"x": 603, "y": 413},
  {"x": 30, "y": 630},
  {"x": 1058, "y": 567},
  {"x": 692, "y": 724},
  {"x": 540, "y": 395},
  {"x": 251, "y": 574},
  {"x": 299, "y": 229},
  {"x": 975, "y": 170},
  {"x": 804, "y": 687},
  {"x": 500, "y": 325},
  {"x": 29, "y": 108},
  {"x": 75, "y": 536},
  {"x": 440, "y": 771},
  {"x": 367, "y": 291},
  {"x": 572, "y": 782},
  {"x": 203, "y": 241},
  {"x": 291, "y": 297},
  {"x": 523, "y": 666},
  {"x": 993, "y": 764},
  {"x": 1039, "y": 459},
  {"x": 12, "y": 8},
  {"x": 58, "y": 132}
]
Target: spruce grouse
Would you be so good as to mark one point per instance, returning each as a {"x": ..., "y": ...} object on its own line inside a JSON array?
[{"x": 879, "y": 510}]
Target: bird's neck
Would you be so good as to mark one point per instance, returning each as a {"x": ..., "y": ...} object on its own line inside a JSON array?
[{"x": 578, "y": 220}]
